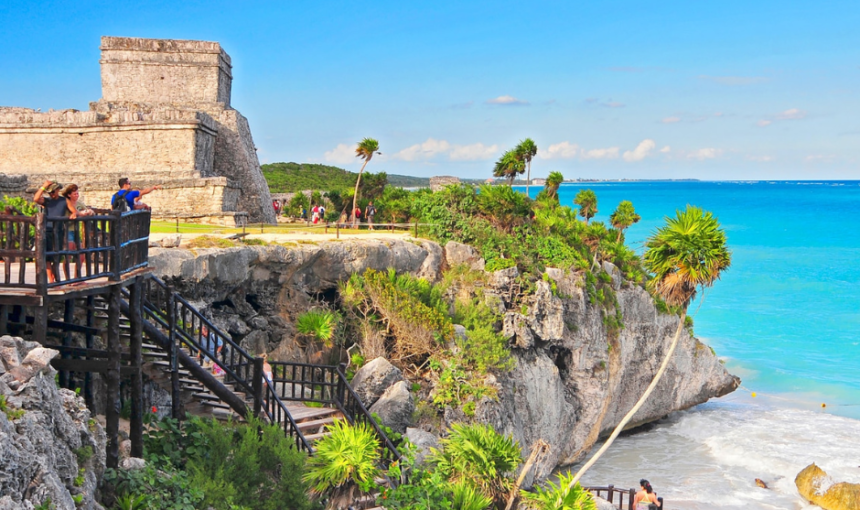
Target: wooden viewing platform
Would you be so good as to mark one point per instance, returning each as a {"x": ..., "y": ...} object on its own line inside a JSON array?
[{"x": 83, "y": 287}]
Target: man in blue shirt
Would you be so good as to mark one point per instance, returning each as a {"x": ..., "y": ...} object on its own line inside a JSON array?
[{"x": 133, "y": 196}]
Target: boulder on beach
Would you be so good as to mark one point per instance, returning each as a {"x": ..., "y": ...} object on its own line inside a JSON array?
[{"x": 818, "y": 488}]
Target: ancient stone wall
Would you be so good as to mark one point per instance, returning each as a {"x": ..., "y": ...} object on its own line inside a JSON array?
[
  {"x": 165, "y": 71},
  {"x": 165, "y": 119},
  {"x": 439, "y": 182}
]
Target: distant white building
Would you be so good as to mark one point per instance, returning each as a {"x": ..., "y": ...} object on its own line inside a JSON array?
[{"x": 538, "y": 182}]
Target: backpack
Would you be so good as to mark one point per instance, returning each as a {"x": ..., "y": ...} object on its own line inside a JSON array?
[{"x": 119, "y": 202}]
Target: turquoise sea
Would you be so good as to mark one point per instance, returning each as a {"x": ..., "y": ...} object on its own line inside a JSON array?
[{"x": 785, "y": 318}]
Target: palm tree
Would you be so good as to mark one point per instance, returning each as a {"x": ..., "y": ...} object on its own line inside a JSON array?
[
  {"x": 363, "y": 150},
  {"x": 553, "y": 181},
  {"x": 623, "y": 217},
  {"x": 508, "y": 166},
  {"x": 587, "y": 202},
  {"x": 687, "y": 254},
  {"x": 526, "y": 150}
]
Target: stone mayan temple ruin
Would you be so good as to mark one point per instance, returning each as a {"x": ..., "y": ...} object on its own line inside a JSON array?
[{"x": 164, "y": 118}]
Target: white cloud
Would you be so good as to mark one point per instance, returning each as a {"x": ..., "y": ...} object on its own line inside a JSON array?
[
  {"x": 426, "y": 150},
  {"x": 820, "y": 158},
  {"x": 666, "y": 150},
  {"x": 608, "y": 153},
  {"x": 762, "y": 159},
  {"x": 613, "y": 104},
  {"x": 563, "y": 150},
  {"x": 703, "y": 154},
  {"x": 342, "y": 154},
  {"x": 507, "y": 100},
  {"x": 473, "y": 152},
  {"x": 791, "y": 114},
  {"x": 671, "y": 120},
  {"x": 640, "y": 152}
]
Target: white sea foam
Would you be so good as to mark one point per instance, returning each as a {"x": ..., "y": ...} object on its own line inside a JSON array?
[{"x": 710, "y": 456}]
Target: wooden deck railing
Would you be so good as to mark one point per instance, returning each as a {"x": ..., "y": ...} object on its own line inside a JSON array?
[{"x": 108, "y": 244}]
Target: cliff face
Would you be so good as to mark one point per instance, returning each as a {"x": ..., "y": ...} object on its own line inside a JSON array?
[
  {"x": 574, "y": 379},
  {"x": 51, "y": 448}
]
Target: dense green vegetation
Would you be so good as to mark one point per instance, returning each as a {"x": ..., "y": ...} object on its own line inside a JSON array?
[
  {"x": 207, "y": 463},
  {"x": 292, "y": 177}
]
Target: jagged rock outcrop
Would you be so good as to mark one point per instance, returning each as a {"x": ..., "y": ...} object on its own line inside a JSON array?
[
  {"x": 371, "y": 380},
  {"x": 50, "y": 447},
  {"x": 819, "y": 489},
  {"x": 395, "y": 407},
  {"x": 575, "y": 377}
]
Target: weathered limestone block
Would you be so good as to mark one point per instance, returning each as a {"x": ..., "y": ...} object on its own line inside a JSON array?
[
  {"x": 371, "y": 380},
  {"x": 459, "y": 253},
  {"x": 395, "y": 407},
  {"x": 423, "y": 441}
]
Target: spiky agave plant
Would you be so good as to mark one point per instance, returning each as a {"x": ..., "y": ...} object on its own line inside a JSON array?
[
  {"x": 344, "y": 461},
  {"x": 561, "y": 496}
]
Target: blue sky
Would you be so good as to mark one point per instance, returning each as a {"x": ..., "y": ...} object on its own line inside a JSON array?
[{"x": 709, "y": 90}]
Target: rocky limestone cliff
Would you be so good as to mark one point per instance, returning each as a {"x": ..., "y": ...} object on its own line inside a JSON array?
[
  {"x": 50, "y": 448},
  {"x": 574, "y": 379}
]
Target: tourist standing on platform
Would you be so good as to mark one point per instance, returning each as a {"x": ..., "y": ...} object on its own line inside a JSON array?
[
  {"x": 369, "y": 213},
  {"x": 132, "y": 196},
  {"x": 276, "y": 205},
  {"x": 356, "y": 217},
  {"x": 55, "y": 206},
  {"x": 74, "y": 210}
]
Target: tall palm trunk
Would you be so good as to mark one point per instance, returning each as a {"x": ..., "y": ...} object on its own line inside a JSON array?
[
  {"x": 355, "y": 195},
  {"x": 528, "y": 176},
  {"x": 642, "y": 399}
]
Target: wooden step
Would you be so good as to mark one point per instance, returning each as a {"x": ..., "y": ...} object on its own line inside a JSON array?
[
  {"x": 316, "y": 424},
  {"x": 312, "y": 438},
  {"x": 300, "y": 413}
]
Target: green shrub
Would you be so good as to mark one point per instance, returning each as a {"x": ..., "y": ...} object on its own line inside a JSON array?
[
  {"x": 162, "y": 486},
  {"x": 12, "y": 414},
  {"x": 558, "y": 497},
  {"x": 478, "y": 455},
  {"x": 84, "y": 454},
  {"x": 344, "y": 461},
  {"x": 319, "y": 324}
]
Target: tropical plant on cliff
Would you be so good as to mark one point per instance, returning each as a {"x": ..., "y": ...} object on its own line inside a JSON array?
[
  {"x": 623, "y": 217},
  {"x": 561, "y": 496},
  {"x": 686, "y": 255},
  {"x": 587, "y": 202},
  {"x": 526, "y": 150},
  {"x": 320, "y": 324},
  {"x": 344, "y": 462},
  {"x": 478, "y": 455},
  {"x": 364, "y": 150}
]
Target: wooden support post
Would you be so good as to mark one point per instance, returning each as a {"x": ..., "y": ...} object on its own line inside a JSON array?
[
  {"x": 338, "y": 230},
  {"x": 611, "y": 493},
  {"x": 112, "y": 400},
  {"x": 341, "y": 385},
  {"x": 175, "y": 404},
  {"x": 89, "y": 395},
  {"x": 4, "y": 318},
  {"x": 68, "y": 318},
  {"x": 177, "y": 225},
  {"x": 116, "y": 242},
  {"x": 631, "y": 496},
  {"x": 258, "y": 385},
  {"x": 136, "y": 320}
]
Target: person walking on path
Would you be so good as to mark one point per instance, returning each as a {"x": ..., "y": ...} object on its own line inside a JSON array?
[
  {"x": 131, "y": 196},
  {"x": 356, "y": 217},
  {"x": 57, "y": 207},
  {"x": 369, "y": 213}
]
